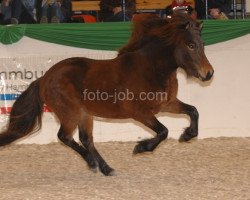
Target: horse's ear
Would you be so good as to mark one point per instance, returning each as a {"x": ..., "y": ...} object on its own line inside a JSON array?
[
  {"x": 185, "y": 26},
  {"x": 200, "y": 25}
]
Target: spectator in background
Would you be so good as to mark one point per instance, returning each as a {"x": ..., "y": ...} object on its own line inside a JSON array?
[
  {"x": 23, "y": 11},
  {"x": 217, "y": 9},
  {"x": 51, "y": 11},
  {"x": 66, "y": 9},
  {"x": 180, "y": 6},
  {"x": 5, "y": 12},
  {"x": 112, "y": 10}
]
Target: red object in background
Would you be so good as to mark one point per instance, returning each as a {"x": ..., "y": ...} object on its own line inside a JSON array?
[
  {"x": 174, "y": 4},
  {"x": 85, "y": 18},
  {"x": 7, "y": 110}
]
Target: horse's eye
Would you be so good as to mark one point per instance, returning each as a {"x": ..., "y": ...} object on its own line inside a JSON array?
[{"x": 191, "y": 46}]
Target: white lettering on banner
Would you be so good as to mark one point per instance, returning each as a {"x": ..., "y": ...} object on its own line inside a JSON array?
[
  {"x": 16, "y": 73},
  {"x": 24, "y": 74},
  {"x": 15, "y": 77},
  {"x": 13, "y": 88}
]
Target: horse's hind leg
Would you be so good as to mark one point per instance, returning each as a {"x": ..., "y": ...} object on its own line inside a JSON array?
[
  {"x": 85, "y": 135},
  {"x": 65, "y": 135},
  {"x": 179, "y": 107},
  {"x": 150, "y": 144}
]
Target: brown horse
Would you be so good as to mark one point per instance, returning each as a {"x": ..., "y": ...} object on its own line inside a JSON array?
[{"x": 76, "y": 89}]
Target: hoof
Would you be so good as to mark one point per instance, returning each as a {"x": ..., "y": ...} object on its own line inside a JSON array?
[
  {"x": 93, "y": 165},
  {"x": 186, "y": 138},
  {"x": 139, "y": 149},
  {"x": 112, "y": 173},
  {"x": 108, "y": 171},
  {"x": 143, "y": 146},
  {"x": 183, "y": 138},
  {"x": 94, "y": 169},
  {"x": 188, "y": 134}
]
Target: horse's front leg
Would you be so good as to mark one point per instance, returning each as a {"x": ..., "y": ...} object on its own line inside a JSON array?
[
  {"x": 179, "y": 107},
  {"x": 150, "y": 144}
]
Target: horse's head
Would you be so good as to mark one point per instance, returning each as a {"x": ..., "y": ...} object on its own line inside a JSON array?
[
  {"x": 189, "y": 49},
  {"x": 181, "y": 34}
]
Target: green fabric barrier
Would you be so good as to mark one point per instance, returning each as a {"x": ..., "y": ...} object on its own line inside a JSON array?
[
  {"x": 111, "y": 35},
  {"x": 103, "y": 36},
  {"x": 215, "y": 31},
  {"x": 11, "y": 34}
]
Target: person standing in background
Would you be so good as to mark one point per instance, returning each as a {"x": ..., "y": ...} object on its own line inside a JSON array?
[
  {"x": 5, "y": 12},
  {"x": 18, "y": 11},
  {"x": 112, "y": 10},
  {"x": 217, "y": 9},
  {"x": 66, "y": 9},
  {"x": 51, "y": 11},
  {"x": 23, "y": 11}
]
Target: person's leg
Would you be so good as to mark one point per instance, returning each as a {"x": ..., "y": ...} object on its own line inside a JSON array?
[
  {"x": 16, "y": 10},
  {"x": 66, "y": 10},
  {"x": 2, "y": 21},
  {"x": 28, "y": 12},
  {"x": 5, "y": 14},
  {"x": 44, "y": 18},
  {"x": 59, "y": 13},
  {"x": 6, "y": 11},
  {"x": 55, "y": 13}
]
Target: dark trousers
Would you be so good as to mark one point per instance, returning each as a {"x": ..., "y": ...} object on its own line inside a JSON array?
[{"x": 21, "y": 13}]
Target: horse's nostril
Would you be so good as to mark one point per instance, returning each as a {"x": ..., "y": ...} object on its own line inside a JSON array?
[{"x": 209, "y": 75}]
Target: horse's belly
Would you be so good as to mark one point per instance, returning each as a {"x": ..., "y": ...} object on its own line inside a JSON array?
[{"x": 105, "y": 110}]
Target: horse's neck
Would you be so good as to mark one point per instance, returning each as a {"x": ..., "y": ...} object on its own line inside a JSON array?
[
  {"x": 161, "y": 62},
  {"x": 160, "y": 56}
]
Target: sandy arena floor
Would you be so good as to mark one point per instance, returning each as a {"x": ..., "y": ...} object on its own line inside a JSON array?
[{"x": 217, "y": 168}]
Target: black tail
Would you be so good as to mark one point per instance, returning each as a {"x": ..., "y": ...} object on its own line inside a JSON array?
[{"x": 25, "y": 116}]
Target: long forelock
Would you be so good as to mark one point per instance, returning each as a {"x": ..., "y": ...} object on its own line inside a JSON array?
[
  {"x": 176, "y": 29},
  {"x": 170, "y": 31}
]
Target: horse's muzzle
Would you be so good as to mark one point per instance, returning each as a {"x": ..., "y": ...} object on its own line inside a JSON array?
[{"x": 208, "y": 76}]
